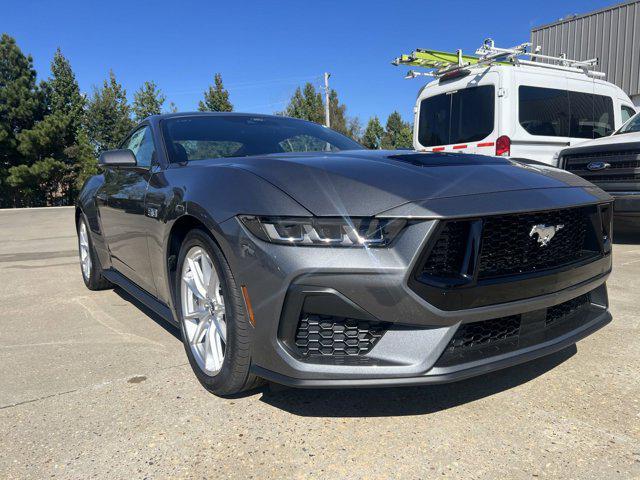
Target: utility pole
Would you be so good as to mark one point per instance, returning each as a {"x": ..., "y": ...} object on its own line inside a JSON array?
[{"x": 327, "y": 120}]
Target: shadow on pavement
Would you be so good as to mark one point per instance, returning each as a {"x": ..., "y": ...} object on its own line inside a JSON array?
[
  {"x": 148, "y": 312},
  {"x": 400, "y": 401}
]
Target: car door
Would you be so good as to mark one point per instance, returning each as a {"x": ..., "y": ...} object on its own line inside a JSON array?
[{"x": 122, "y": 209}]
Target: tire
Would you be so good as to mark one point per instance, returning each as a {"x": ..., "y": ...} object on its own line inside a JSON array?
[
  {"x": 230, "y": 375},
  {"x": 92, "y": 276}
]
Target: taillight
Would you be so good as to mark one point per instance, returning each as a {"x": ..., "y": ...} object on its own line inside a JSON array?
[{"x": 503, "y": 146}]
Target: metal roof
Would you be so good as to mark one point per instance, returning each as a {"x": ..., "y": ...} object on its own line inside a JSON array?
[{"x": 611, "y": 34}]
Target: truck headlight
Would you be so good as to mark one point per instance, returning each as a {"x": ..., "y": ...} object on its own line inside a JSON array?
[{"x": 327, "y": 232}]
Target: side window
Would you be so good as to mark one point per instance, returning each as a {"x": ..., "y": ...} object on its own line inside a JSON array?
[
  {"x": 141, "y": 144},
  {"x": 627, "y": 113},
  {"x": 544, "y": 111},
  {"x": 562, "y": 113}
]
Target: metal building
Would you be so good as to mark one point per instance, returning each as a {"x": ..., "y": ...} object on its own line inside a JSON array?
[{"x": 611, "y": 34}]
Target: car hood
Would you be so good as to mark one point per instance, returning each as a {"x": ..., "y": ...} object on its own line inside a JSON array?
[
  {"x": 368, "y": 182},
  {"x": 624, "y": 139}
]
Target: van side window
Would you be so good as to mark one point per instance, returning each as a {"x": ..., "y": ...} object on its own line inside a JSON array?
[
  {"x": 627, "y": 113},
  {"x": 561, "y": 113},
  {"x": 457, "y": 117}
]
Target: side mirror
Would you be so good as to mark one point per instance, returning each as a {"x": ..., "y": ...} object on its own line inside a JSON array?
[{"x": 118, "y": 158}]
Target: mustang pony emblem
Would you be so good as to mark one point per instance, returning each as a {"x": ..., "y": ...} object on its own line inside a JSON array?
[{"x": 545, "y": 233}]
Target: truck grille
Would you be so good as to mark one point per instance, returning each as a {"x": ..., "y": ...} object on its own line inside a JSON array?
[
  {"x": 507, "y": 247},
  {"x": 624, "y": 166}
]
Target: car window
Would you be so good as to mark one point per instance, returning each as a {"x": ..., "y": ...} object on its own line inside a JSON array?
[
  {"x": 561, "y": 113},
  {"x": 305, "y": 143},
  {"x": 141, "y": 144},
  {"x": 627, "y": 113},
  {"x": 198, "y": 137},
  {"x": 632, "y": 126},
  {"x": 457, "y": 117}
]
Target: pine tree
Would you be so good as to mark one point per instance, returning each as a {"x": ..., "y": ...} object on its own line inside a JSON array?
[
  {"x": 372, "y": 137},
  {"x": 148, "y": 100},
  {"x": 22, "y": 103},
  {"x": 216, "y": 98},
  {"x": 306, "y": 104},
  {"x": 398, "y": 133},
  {"x": 108, "y": 117},
  {"x": 354, "y": 129},
  {"x": 48, "y": 143}
]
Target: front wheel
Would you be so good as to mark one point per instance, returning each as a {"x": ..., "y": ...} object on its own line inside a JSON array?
[{"x": 215, "y": 330}]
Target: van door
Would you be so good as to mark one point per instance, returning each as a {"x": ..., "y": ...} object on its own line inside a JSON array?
[{"x": 459, "y": 115}]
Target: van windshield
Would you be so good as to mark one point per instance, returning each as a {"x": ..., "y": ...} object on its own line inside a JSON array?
[
  {"x": 457, "y": 117},
  {"x": 632, "y": 126},
  {"x": 561, "y": 113}
]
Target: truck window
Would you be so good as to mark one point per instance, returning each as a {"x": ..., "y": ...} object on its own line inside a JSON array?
[
  {"x": 457, "y": 117},
  {"x": 627, "y": 113},
  {"x": 562, "y": 113}
]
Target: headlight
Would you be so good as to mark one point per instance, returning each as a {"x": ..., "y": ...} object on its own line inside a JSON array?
[{"x": 328, "y": 232}]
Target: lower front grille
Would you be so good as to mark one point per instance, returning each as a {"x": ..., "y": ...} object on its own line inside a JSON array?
[
  {"x": 324, "y": 335},
  {"x": 566, "y": 309},
  {"x": 477, "y": 340},
  {"x": 486, "y": 332}
]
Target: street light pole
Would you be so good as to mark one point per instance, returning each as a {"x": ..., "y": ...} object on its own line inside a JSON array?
[{"x": 327, "y": 120}]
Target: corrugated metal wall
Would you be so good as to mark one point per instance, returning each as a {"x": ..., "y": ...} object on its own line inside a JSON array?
[{"x": 611, "y": 34}]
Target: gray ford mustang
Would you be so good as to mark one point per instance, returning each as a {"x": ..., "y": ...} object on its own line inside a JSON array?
[{"x": 285, "y": 251}]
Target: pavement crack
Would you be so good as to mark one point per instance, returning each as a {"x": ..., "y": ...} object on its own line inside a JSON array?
[{"x": 89, "y": 387}]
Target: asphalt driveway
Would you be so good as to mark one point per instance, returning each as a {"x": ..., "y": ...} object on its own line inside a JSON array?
[{"x": 93, "y": 385}]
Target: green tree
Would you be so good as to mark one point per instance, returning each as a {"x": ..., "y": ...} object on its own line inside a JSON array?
[
  {"x": 108, "y": 116},
  {"x": 22, "y": 103},
  {"x": 398, "y": 133},
  {"x": 148, "y": 100},
  {"x": 372, "y": 137},
  {"x": 50, "y": 140},
  {"x": 216, "y": 98},
  {"x": 306, "y": 104},
  {"x": 354, "y": 129}
]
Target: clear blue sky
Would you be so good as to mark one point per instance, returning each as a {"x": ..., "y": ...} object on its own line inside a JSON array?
[{"x": 264, "y": 49}]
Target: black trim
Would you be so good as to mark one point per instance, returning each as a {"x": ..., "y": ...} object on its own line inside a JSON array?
[{"x": 139, "y": 294}]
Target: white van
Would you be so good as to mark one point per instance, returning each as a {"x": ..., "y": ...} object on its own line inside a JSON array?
[{"x": 521, "y": 111}]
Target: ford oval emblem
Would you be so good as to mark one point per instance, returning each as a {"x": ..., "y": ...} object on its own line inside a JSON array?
[{"x": 595, "y": 166}]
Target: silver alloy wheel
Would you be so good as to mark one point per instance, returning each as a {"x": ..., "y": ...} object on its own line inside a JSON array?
[
  {"x": 85, "y": 257},
  {"x": 203, "y": 310}
]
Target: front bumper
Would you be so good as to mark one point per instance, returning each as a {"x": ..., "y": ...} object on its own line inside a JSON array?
[
  {"x": 626, "y": 210},
  {"x": 373, "y": 284}
]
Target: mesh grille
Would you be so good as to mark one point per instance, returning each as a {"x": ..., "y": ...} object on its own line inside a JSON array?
[
  {"x": 485, "y": 332},
  {"x": 323, "y": 335},
  {"x": 478, "y": 340},
  {"x": 508, "y": 248},
  {"x": 447, "y": 255},
  {"x": 566, "y": 309}
]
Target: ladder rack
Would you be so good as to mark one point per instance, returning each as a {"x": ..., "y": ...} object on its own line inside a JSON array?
[{"x": 447, "y": 63}]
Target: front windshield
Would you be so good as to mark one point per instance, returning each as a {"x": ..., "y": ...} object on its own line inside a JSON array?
[
  {"x": 632, "y": 126},
  {"x": 195, "y": 137}
]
